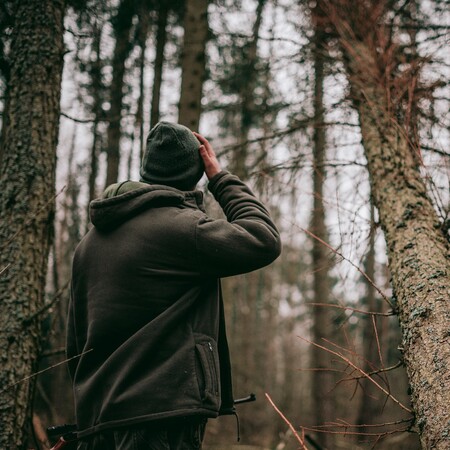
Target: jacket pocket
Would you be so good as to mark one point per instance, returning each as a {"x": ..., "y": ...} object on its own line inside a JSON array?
[{"x": 209, "y": 381}]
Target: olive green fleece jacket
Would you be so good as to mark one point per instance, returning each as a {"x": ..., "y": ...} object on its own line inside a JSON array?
[{"x": 146, "y": 310}]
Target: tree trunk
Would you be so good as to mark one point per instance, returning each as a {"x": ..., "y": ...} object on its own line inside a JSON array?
[
  {"x": 193, "y": 62},
  {"x": 122, "y": 25},
  {"x": 417, "y": 248},
  {"x": 323, "y": 379},
  {"x": 144, "y": 21},
  {"x": 161, "y": 37},
  {"x": 96, "y": 77},
  {"x": 420, "y": 268},
  {"x": 27, "y": 177},
  {"x": 247, "y": 96},
  {"x": 370, "y": 406}
]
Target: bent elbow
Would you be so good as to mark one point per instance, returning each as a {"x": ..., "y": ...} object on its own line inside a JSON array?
[{"x": 269, "y": 251}]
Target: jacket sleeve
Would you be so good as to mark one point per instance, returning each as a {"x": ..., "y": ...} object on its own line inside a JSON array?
[{"x": 246, "y": 241}]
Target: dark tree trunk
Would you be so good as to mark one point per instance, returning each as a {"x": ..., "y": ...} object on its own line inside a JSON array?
[
  {"x": 323, "y": 379},
  {"x": 161, "y": 37},
  {"x": 370, "y": 407},
  {"x": 193, "y": 62},
  {"x": 122, "y": 26},
  {"x": 27, "y": 177},
  {"x": 97, "y": 86},
  {"x": 247, "y": 96},
  {"x": 144, "y": 21}
]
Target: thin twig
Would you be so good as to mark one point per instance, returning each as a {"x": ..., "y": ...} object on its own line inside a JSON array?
[
  {"x": 5, "y": 268},
  {"x": 302, "y": 443},
  {"x": 7, "y": 388},
  {"x": 371, "y": 313},
  {"x": 376, "y": 372},
  {"x": 344, "y": 424},
  {"x": 337, "y": 252},
  {"x": 30, "y": 220},
  {"x": 47, "y": 305},
  {"x": 380, "y": 356},
  {"x": 359, "y": 370},
  {"x": 358, "y": 433},
  {"x": 74, "y": 119},
  {"x": 50, "y": 353}
]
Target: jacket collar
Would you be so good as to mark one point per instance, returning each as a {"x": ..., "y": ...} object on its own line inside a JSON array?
[{"x": 128, "y": 199}]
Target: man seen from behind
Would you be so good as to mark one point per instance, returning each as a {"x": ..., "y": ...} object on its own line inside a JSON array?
[{"x": 146, "y": 314}]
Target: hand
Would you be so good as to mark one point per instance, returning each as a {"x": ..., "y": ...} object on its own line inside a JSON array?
[{"x": 212, "y": 166}]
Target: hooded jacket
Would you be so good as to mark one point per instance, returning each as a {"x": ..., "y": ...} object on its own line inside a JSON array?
[{"x": 146, "y": 311}]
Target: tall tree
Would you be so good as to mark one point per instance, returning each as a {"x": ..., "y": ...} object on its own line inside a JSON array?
[
  {"x": 161, "y": 38},
  {"x": 193, "y": 60},
  {"x": 369, "y": 408},
  {"x": 322, "y": 327},
  {"x": 381, "y": 79},
  {"x": 122, "y": 23},
  {"x": 97, "y": 89},
  {"x": 27, "y": 177},
  {"x": 248, "y": 80}
]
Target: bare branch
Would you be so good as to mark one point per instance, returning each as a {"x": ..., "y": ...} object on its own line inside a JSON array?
[
  {"x": 28, "y": 222},
  {"x": 364, "y": 274},
  {"x": 350, "y": 363},
  {"x": 47, "y": 306},
  {"x": 299, "y": 439},
  {"x": 386, "y": 314},
  {"x": 74, "y": 119},
  {"x": 7, "y": 388}
]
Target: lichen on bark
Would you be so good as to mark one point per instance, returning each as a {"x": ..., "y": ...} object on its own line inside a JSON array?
[{"x": 27, "y": 177}]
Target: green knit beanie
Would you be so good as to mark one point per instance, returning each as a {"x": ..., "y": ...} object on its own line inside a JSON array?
[{"x": 171, "y": 157}]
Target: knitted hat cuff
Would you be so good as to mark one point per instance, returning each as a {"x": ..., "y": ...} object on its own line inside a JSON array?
[{"x": 172, "y": 157}]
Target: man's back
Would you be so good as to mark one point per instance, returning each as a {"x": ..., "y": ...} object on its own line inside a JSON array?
[{"x": 146, "y": 314}]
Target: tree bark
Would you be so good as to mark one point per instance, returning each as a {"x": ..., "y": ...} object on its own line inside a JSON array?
[
  {"x": 418, "y": 251},
  {"x": 247, "y": 96},
  {"x": 193, "y": 62},
  {"x": 97, "y": 87},
  {"x": 323, "y": 379},
  {"x": 370, "y": 406},
  {"x": 122, "y": 26},
  {"x": 420, "y": 268},
  {"x": 161, "y": 37},
  {"x": 142, "y": 33},
  {"x": 27, "y": 177}
]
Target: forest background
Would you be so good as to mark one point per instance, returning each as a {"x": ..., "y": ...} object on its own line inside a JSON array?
[{"x": 335, "y": 112}]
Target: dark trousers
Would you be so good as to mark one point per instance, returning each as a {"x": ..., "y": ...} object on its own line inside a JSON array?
[{"x": 179, "y": 434}]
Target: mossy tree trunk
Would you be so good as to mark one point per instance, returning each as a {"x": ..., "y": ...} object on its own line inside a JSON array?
[
  {"x": 193, "y": 62},
  {"x": 418, "y": 249},
  {"x": 27, "y": 177}
]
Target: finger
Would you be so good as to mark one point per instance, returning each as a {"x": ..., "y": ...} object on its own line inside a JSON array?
[
  {"x": 204, "y": 154},
  {"x": 204, "y": 141},
  {"x": 199, "y": 137}
]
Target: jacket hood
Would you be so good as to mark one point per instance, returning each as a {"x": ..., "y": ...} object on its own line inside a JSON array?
[{"x": 126, "y": 200}]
